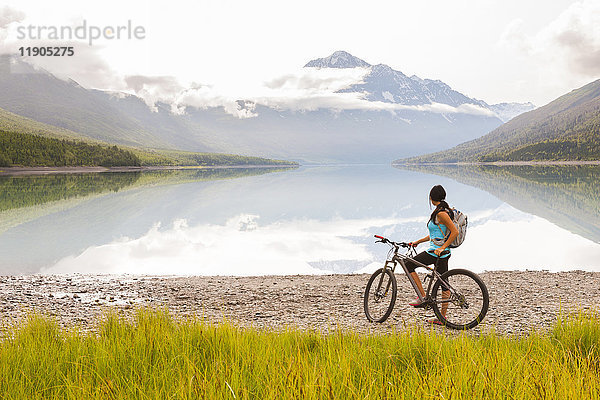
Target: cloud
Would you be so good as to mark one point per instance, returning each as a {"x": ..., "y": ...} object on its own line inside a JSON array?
[
  {"x": 573, "y": 38},
  {"x": 86, "y": 67},
  {"x": 356, "y": 101},
  {"x": 153, "y": 89},
  {"x": 577, "y": 33},
  {"x": 306, "y": 89},
  {"x": 205, "y": 96},
  {"x": 309, "y": 89},
  {"x": 319, "y": 79},
  {"x": 515, "y": 36},
  {"x": 8, "y": 16}
]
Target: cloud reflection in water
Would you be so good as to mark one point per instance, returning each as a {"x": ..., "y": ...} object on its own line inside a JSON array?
[
  {"x": 239, "y": 247},
  {"x": 503, "y": 238}
]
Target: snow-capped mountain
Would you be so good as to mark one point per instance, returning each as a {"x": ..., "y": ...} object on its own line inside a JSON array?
[
  {"x": 385, "y": 84},
  {"x": 316, "y": 135},
  {"x": 339, "y": 59},
  {"x": 507, "y": 111}
]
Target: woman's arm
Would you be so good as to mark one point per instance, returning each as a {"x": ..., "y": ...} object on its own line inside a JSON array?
[
  {"x": 444, "y": 218},
  {"x": 422, "y": 240}
]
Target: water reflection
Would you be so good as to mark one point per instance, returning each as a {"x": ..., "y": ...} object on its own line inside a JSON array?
[
  {"x": 307, "y": 220},
  {"x": 241, "y": 246},
  {"x": 565, "y": 195},
  {"x": 27, "y": 197}
]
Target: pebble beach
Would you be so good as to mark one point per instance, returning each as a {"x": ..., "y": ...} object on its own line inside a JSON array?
[{"x": 520, "y": 301}]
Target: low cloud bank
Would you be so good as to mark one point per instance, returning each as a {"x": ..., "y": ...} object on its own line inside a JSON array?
[{"x": 310, "y": 89}]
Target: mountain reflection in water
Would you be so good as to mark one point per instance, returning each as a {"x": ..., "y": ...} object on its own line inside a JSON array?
[
  {"x": 308, "y": 220},
  {"x": 568, "y": 196}
]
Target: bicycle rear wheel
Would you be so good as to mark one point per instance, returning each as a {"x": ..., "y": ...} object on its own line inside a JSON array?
[
  {"x": 380, "y": 295},
  {"x": 461, "y": 299}
]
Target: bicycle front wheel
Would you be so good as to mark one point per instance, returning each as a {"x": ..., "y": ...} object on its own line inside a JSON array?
[
  {"x": 461, "y": 299},
  {"x": 380, "y": 295}
]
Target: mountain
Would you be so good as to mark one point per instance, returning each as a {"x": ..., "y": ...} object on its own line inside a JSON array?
[
  {"x": 325, "y": 135},
  {"x": 339, "y": 59},
  {"x": 11, "y": 122},
  {"x": 411, "y": 126},
  {"x": 38, "y": 95},
  {"x": 385, "y": 84},
  {"x": 507, "y": 111},
  {"x": 43, "y": 105},
  {"x": 567, "y": 128},
  {"x": 330, "y": 135}
]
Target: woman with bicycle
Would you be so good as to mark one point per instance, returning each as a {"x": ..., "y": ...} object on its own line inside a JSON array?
[
  {"x": 459, "y": 298},
  {"x": 442, "y": 232}
]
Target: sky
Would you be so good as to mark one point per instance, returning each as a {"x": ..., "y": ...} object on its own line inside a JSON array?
[{"x": 209, "y": 53}]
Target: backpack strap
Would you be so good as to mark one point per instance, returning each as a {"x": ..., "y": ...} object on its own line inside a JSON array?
[{"x": 447, "y": 235}]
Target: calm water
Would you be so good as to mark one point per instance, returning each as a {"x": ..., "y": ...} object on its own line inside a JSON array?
[{"x": 310, "y": 220}]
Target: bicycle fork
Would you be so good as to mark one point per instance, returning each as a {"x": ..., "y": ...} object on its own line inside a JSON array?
[{"x": 385, "y": 267}]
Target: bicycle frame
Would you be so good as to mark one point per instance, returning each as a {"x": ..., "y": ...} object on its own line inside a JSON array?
[
  {"x": 466, "y": 299},
  {"x": 399, "y": 258}
]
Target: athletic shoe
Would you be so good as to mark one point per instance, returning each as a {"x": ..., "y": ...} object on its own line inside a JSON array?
[{"x": 417, "y": 303}]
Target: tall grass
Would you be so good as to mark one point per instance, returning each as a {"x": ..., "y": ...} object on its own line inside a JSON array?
[{"x": 154, "y": 356}]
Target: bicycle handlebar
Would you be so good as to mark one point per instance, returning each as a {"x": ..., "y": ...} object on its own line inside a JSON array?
[
  {"x": 401, "y": 244},
  {"x": 386, "y": 240}
]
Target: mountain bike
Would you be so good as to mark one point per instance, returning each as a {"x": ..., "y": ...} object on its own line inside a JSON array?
[{"x": 459, "y": 298}]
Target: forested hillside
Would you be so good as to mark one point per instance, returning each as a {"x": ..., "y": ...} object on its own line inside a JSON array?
[
  {"x": 568, "y": 128},
  {"x": 184, "y": 158},
  {"x": 22, "y": 149}
]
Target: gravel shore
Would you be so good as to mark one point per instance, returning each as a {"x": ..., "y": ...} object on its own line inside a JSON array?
[{"x": 519, "y": 300}]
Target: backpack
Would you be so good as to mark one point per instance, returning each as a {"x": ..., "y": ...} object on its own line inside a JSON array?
[{"x": 460, "y": 221}]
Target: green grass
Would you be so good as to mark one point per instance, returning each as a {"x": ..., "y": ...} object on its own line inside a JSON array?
[{"x": 154, "y": 356}]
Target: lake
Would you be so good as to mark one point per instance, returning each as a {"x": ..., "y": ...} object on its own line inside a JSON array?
[{"x": 309, "y": 220}]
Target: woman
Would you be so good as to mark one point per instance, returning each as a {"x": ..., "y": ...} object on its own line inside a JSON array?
[{"x": 439, "y": 224}]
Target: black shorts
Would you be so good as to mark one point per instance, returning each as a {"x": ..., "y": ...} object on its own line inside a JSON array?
[{"x": 427, "y": 259}]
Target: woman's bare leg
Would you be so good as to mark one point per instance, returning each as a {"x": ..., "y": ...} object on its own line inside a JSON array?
[
  {"x": 415, "y": 276},
  {"x": 445, "y": 296}
]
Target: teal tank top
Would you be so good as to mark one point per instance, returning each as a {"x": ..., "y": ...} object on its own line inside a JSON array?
[{"x": 436, "y": 232}]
